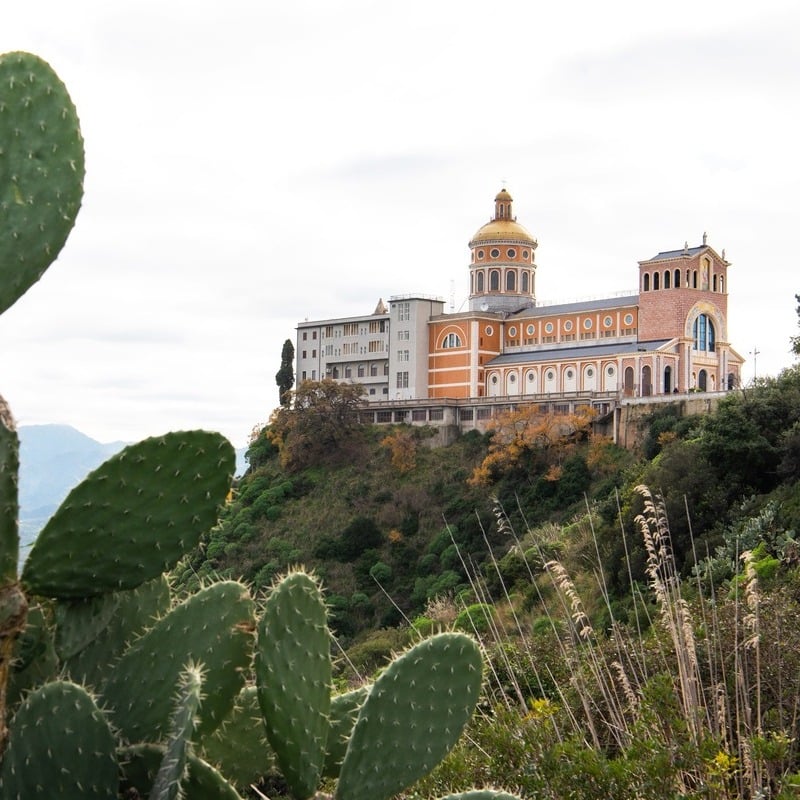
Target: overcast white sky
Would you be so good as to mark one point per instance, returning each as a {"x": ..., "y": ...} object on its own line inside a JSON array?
[{"x": 251, "y": 164}]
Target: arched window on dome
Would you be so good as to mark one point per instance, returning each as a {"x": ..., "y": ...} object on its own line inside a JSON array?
[
  {"x": 511, "y": 281},
  {"x": 479, "y": 288},
  {"x": 666, "y": 279},
  {"x": 525, "y": 283},
  {"x": 451, "y": 340},
  {"x": 677, "y": 281},
  {"x": 646, "y": 282},
  {"x": 704, "y": 334},
  {"x": 721, "y": 287},
  {"x": 494, "y": 281},
  {"x": 655, "y": 281}
]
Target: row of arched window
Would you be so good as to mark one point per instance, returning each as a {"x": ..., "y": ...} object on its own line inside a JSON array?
[
  {"x": 671, "y": 279},
  {"x": 492, "y": 284}
]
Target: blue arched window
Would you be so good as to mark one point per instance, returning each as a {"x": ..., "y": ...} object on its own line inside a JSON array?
[
  {"x": 703, "y": 333},
  {"x": 525, "y": 282},
  {"x": 480, "y": 282},
  {"x": 451, "y": 340},
  {"x": 494, "y": 281}
]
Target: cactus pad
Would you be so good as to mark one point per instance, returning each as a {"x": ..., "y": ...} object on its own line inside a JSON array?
[
  {"x": 41, "y": 171},
  {"x": 60, "y": 745},
  {"x": 293, "y": 675},
  {"x": 133, "y": 517},
  {"x": 413, "y": 716},
  {"x": 9, "y": 500},
  {"x": 214, "y": 628},
  {"x": 167, "y": 785},
  {"x": 140, "y": 764},
  {"x": 91, "y": 634},
  {"x": 344, "y": 712},
  {"x": 239, "y": 747}
]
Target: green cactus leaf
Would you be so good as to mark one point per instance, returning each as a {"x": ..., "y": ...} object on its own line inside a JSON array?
[
  {"x": 167, "y": 785},
  {"x": 140, "y": 764},
  {"x": 91, "y": 634},
  {"x": 293, "y": 676},
  {"x": 344, "y": 712},
  {"x": 60, "y": 745},
  {"x": 414, "y": 714},
  {"x": 214, "y": 628},
  {"x": 239, "y": 748},
  {"x": 41, "y": 171},
  {"x": 133, "y": 517}
]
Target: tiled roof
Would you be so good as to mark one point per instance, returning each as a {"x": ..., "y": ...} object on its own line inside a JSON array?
[
  {"x": 664, "y": 255},
  {"x": 568, "y": 353},
  {"x": 581, "y": 305}
]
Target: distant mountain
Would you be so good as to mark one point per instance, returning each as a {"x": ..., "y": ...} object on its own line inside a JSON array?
[{"x": 53, "y": 460}]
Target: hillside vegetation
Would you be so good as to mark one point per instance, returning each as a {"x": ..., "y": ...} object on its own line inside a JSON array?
[{"x": 638, "y": 609}]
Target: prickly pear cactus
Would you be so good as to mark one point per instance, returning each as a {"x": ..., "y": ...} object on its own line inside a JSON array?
[
  {"x": 60, "y": 745},
  {"x": 412, "y": 717},
  {"x": 293, "y": 675},
  {"x": 133, "y": 517},
  {"x": 167, "y": 784},
  {"x": 215, "y": 628},
  {"x": 41, "y": 171}
]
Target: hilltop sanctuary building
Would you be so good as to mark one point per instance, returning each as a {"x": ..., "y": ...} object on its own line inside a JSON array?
[{"x": 671, "y": 335}]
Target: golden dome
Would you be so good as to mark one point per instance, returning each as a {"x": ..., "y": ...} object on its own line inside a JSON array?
[
  {"x": 503, "y": 195},
  {"x": 502, "y": 230}
]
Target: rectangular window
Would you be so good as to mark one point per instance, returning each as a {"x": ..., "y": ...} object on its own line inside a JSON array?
[
  {"x": 377, "y": 326},
  {"x": 313, "y": 354},
  {"x": 403, "y": 336},
  {"x": 403, "y": 311},
  {"x": 419, "y": 415},
  {"x": 313, "y": 334},
  {"x": 373, "y": 370},
  {"x": 360, "y": 370},
  {"x": 383, "y": 416},
  {"x": 437, "y": 414},
  {"x": 402, "y": 380},
  {"x": 329, "y": 331},
  {"x": 402, "y": 355},
  {"x": 348, "y": 373},
  {"x": 375, "y": 346},
  {"x": 372, "y": 391},
  {"x": 465, "y": 414},
  {"x": 304, "y": 354},
  {"x": 305, "y": 335},
  {"x": 304, "y": 375},
  {"x": 313, "y": 374},
  {"x": 350, "y": 329}
]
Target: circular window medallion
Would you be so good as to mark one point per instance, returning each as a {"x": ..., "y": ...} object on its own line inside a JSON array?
[
  {"x": 590, "y": 373},
  {"x": 480, "y": 254},
  {"x": 607, "y": 321},
  {"x": 488, "y": 330},
  {"x": 629, "y": 319},
  {"x": 530, "y": 377},
  {"x": 494, "y": 379},
  {"x": 549, "y": 327},
  {"x": 512, "y": 331},
  {"x": 530, "y": 330},
  {"x": 587, "y": 324},
  {"x": 512, "y": 378},
  {"x": 525, "y": 254},
  {"x": 610, "y": 370},
  {"x": 569, "y": 373},
  {"x": 512, "y": 253},
  {"x": 567, "y": 326},
  {"x": 494, "y": 253},
  {"x": 550, "y": 375}
]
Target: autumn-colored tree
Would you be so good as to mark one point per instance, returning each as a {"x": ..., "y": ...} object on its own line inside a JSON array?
[
  {"x": 402, "y": 446},
  {"x": 320, "y": 425},
  {"x": 524, "y": 431}
]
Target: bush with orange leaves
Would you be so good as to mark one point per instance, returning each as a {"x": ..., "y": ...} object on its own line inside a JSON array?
[{"x": 526, "y": 431}]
